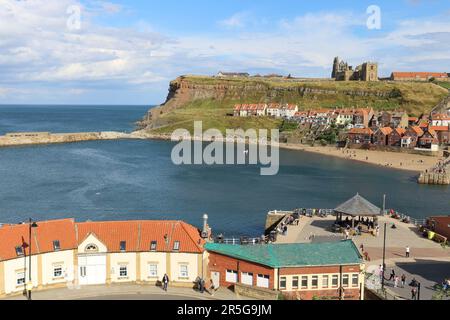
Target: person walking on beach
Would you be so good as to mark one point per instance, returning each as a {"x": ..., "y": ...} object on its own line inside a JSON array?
[
  {"x": 396, "y": 282},
  {"x": 403, "y": 280},
  {"x": 165, "y": 282},
  {"x": 408, "y": 251}
]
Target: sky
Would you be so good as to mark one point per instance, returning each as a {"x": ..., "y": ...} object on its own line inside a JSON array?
[{"x": 127, "y": 52}]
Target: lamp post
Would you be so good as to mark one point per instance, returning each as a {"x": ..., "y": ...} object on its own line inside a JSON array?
[
  {"x": 384, "y": 256},
  {"x": 31, "y": 225}
]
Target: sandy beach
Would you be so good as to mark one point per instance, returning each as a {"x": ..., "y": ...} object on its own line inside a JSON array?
[{"x": 396, "y": 160}]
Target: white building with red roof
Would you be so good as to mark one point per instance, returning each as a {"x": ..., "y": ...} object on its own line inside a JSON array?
[{"x": 66, "y": 253}]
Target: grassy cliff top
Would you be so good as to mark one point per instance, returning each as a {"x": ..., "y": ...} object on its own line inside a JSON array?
[{"x": 211, "y": 99}]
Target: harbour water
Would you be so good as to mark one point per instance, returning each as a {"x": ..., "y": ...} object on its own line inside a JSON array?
[{"x": 115, "y": 180}]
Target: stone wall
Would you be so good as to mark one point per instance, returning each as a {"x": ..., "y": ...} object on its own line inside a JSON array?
[
  {"x": 17, "y": 139},
  {"x": 256, "y": 293}
]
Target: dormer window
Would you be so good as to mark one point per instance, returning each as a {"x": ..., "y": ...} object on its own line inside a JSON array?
[
  {"x": 153, "y": 246},
  {"x": 176, "y": 245},
  {"x": 56, "y": 245},
  {"x": 19, "y": 251},
  {"x": 123, "y": 245}
]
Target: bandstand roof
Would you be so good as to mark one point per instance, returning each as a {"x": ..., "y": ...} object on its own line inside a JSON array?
[{"x": 358, "y": 207}]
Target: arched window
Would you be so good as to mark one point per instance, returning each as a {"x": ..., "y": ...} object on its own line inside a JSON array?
[{"x": 91, "y": 248}]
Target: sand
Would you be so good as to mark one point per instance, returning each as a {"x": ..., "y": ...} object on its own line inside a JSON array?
[{"x": 396, "y": 160}]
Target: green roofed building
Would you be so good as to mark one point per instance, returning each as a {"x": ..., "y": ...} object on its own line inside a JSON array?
[{"x": 332, "y": 270}]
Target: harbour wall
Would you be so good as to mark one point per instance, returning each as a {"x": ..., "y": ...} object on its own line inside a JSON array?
[
  {"x": 31, "y": 138},
  {"x": 434, "y": 178}
]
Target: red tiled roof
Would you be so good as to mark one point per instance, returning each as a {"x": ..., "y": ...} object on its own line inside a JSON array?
[
  {"x": 440, "y": 117},
  {"x": 360, "y": 131},
  {"x": 440, "y": 128},
  {"x": 400, "y": 131},
  {"x": 137, "y": 234},
  {"x": 42, "y": 237},
  {"x": 417, "y": 130},
  {"x": 386, "y": 130},
  {"x": 419, "y": 74}
]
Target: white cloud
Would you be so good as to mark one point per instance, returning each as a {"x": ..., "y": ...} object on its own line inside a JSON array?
[
  {"x": 38, "y": 52},
  {"x": 238, "y": 20}
]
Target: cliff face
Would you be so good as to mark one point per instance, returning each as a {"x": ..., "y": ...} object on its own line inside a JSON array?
[{"x": 187, "y": 90}]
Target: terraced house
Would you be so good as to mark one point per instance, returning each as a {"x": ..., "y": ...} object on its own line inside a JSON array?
[
  {"x": 64, "y": 253},
  {"x": 303, "y": 271}
]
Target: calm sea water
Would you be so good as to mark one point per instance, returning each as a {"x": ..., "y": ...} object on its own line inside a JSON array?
[{"x": 113, "y": 180}]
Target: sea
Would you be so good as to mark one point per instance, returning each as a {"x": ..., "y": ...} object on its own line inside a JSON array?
[{"x": 136, "y": 179}]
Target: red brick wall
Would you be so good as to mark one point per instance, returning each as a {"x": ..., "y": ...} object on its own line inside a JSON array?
[
  {"x": 331, "y": 294},
  {"x": 318, "y": 270},
  {"x": 220, "y": 263}
]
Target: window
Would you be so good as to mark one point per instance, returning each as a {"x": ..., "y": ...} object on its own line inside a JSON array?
[
  {"x": 315, "y": 282},
  {"x": 123, "y": 245},
  {"x": 153, "y": 270},
  {"x": 355, "y": 280},
  {"x": 262, "y": 281},
  {"x": 247, "y": 278},
  {"x": 20, "y": 278},
  {"x": 231, "y": 276},
  {"x": 57, "y": 272},
  {"x": 294, "y": 282},
  {"x": 19, "y": 250},
  {"x": 56, "y": 245},
  {"x": 123, "y": 271},
  {"x": 325, "y": 281},
  {"x": 176, "y": 245},
  {"x": 305, "y": 282},
  {"x": 83, "y": 271},
  {"x": 335, "y": 281},
  {"x": 345, "y": 280},
  {"x": 184, "y": 271},
  {"x": 91, "y": 248},
  {"x": 283, "y": 283},
  {"x": 153, "y": 245}
]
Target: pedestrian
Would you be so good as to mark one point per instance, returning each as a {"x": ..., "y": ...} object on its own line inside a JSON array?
[
  {"x": 211, "y": 288},
  {"x": 165, "y": 282},
  {"x": 396, "y": 282},
  {"x": 414, "y": 293},
  {"x": 362, "y": 248},
  {"x": 408, "y": 251},
  {"x": 392, "y": 277},
  {"x": 403, "y": 280}
]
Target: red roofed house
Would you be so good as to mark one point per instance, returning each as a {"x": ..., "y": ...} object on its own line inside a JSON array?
[
  {"x": 429, "y": 140},
  {"x": 395, "y": 137},
  {"x": 411, "y": 137},
  {"x": 439, "y": 120},
  {"x": 443, "y": 134},
  {"x": 65, "y": 252},
  {"x": 380, "y": 137},
  {"x": 418, "y": 76},
  {"x": 360, "y": 136}
]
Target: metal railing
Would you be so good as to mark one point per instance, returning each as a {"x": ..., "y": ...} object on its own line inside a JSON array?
[{"x": 241, "y": 240}]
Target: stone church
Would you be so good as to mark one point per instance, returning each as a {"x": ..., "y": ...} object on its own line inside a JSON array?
[{"x": 368, "y": 71}]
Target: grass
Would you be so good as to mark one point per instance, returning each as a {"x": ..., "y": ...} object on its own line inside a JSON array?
[
  {"x": 212, "y": 115},
  {"x": 443, "y": 84}
]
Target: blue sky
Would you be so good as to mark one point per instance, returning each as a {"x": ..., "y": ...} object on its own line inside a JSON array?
[{"x": 126, "y": 52}]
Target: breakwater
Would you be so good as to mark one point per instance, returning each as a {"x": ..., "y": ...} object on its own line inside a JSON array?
[
  {"x": 434, "y": 178},
  {"x": 31, "y": 138}
]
